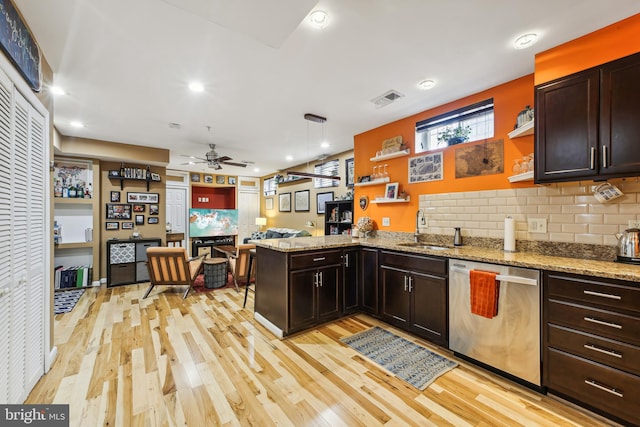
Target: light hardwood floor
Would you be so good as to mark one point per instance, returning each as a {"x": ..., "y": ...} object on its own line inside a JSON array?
[{"x": 204, "y": 361}]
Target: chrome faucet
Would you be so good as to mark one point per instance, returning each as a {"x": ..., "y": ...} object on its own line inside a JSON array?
[{"x": 419, "y": 220}]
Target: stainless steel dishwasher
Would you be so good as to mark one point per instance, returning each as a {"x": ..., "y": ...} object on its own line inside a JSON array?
[{"x": 510, "y": 341}]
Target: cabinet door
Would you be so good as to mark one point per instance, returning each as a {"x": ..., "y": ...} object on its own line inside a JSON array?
[
  {"x": 619, "y": 124},
  {"x": 369, "y": 280},
  {"x": 351, "y": 263},
  {"x": 329, "y": 295},
  {"x": 429, "y": 308},
  {"x": 566, "y": 123},
  {"x": 395, "y": 307},
  {"x": 302, "y": 300}
]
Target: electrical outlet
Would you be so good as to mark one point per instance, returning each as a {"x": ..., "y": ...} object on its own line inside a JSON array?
[
  {"x": 634, "y": 224},
  {"x": 386, "y": 222},
  {"x": 537, "y": 225}
]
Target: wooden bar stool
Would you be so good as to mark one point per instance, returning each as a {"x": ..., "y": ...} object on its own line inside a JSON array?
[{"x": 175, "y": 239}]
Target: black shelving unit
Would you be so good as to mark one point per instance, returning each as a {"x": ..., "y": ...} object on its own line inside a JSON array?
[
  {"x": 338, "y": 217},
  {"x": 132, "y": 174}
]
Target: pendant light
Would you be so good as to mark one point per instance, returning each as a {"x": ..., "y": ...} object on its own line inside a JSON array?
[{"x": 318, "y": 119}]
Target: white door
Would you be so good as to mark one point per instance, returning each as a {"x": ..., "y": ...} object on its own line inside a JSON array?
[
  {"x": 24, "y": 219},
  {"x": 248, "y": 206},
  {"x": 178, "y": 209}
]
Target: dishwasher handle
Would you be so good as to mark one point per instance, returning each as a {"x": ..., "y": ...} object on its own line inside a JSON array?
[{"x": 501, "y": 277}]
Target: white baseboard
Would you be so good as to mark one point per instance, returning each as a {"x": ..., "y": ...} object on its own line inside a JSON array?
[
  {"x": 267, "y": 324},
  {"x": 52, "y": 357}
]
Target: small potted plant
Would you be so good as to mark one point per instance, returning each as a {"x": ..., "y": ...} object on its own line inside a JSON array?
[{"x": 454, "y": 135}]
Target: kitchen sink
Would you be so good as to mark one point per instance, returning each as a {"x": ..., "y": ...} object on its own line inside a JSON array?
[{"x": 420, "y": 245}]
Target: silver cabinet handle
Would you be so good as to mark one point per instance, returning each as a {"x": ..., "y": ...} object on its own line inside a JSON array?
[
  {"x": 604, "y": 156},
  {"x": 603, "y": 350},
  {"x": 603, "y": 323},
  {"x": 320, "y": 279},
  {"x": 319, "y": 259},
  {"x": 315, "y": 279},
  {"x": 604, "y": 388},
  {"x": 410, "y": 284},
  {"x": 346, "y": 260},
  {"x": 592, "y": 163},
  {"x": 599, "y": 294},
  {"x": 405, "y": 283}
]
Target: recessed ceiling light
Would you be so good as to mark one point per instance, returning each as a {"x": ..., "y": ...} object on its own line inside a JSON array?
[
  {"x": 77, "y": 124},
  {"x": 525, "y": 41},
  {"x": 426, "y": 84},
  {"x": 57, "y": 90},
  {"x": 289, "y": 158},
  {"x": 196, "y": 87},
  {"x": 324, "y": 145},
  {"x": 318, "y": 18},
  {"x": 256, "y": 169}
]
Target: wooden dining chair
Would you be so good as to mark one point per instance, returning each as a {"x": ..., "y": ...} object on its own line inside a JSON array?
[
  {"x": 171, "y": 266},
  {"x": 239, "y": 265}
]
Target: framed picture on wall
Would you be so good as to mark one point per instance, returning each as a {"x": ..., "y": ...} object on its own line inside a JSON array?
[
  {"x": 301, "y": 201},
  {"x": 143, "y": 197},
  {"x": 127, "y": 225},
  {"x": 349, "y": 172},
  {"x": 152, "y": 220},
  {"x": 219, "y": 179},
  {"x": 138, "y": 208},
  {"x": 232, "y": 180},
  {"x": 208, "y": 179},
  {"x": 153, "y": 210},
  {"x": 284, "y": 202},
  {"x": 139, "y": 219},
  {"x": 321, "y": 199},
  {"x": 118, "y": 211},
  {"x": 268, "y": 203},
  {"x": 111, "y": 226},
  {"x": 195, "y": 177},
  {"x": 115, "y": 197}
]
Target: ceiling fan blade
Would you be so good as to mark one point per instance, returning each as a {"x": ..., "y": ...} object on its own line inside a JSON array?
[
  {"x": 241, "y": 165},
  {"x": 223, "y": 158},
  {"x": 193, "y": 163}
]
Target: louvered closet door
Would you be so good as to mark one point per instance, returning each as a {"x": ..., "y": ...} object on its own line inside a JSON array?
[{"x": 23, "y": 224}]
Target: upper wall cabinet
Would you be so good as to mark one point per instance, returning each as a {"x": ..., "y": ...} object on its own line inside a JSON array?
[{"x": 586, "y": 124}]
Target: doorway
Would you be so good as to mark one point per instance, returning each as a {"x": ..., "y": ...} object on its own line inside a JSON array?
[{"x": 177, "y": 206}]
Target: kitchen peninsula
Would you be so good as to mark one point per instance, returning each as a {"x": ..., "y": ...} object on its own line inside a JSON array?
[{"x": 586, "y": 304}]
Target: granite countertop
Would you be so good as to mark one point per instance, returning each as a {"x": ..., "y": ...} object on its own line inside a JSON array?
[{"x": 608, "y": 269}]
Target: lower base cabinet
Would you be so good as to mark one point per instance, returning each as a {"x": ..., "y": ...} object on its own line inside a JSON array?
[
  {"x": 591, "y": 334},
  {"x": 414, "y": 294},
  {"x": 368, "y": 281},
  {"x": 351, "y": 280},
  {"x": 127, "y": 260}
]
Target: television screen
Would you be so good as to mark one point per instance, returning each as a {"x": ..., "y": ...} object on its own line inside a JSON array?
[{"x": 213, "y": 222}]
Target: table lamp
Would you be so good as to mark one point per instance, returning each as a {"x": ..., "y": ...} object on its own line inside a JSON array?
[{"x": 260, "y": 222}]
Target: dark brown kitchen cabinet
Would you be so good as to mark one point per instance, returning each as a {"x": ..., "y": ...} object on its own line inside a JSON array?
[
  {"x": 586, "y": 126},
  {"x": 351, "y": 270},
  {"x": 369, "y": 280},
  {"x": 591, "y": 336},
  {"x": 414, "y": 294},
  {"x": 315, "y": 285}
]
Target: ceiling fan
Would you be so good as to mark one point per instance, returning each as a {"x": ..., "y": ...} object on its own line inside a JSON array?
[{"x": 214, "y": 161}]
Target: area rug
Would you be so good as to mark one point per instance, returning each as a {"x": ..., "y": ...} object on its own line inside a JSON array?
[
  {"x": 64, "y": 301},
  {"x": 199, "y": 286},
  {"x": 406, "y": 360}
]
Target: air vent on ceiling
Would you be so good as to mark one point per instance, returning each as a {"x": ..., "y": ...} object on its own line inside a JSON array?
[{"x": 386, "y": 98}]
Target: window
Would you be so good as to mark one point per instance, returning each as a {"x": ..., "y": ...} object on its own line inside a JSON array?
[
  {"x": 329, "y": 168},
  {"x": 477, "y": 117},
  {"x": 269, "y": 186}
]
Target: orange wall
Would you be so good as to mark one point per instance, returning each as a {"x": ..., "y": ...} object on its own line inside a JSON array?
[
  {"x": 509, "y": 99},
  {"x": 607, "y": 44}
]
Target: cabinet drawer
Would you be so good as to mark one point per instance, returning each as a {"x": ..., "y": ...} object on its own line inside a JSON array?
[
  {"x": 142, "y": 272},
  {"x": 121, "y": 253},
  {"x": 316, "y": 259},
  {"x": 422, "y": 264},
  {"x": 141, "y": 249},
  {"x": 609, "y": 352},
  {"x": 596, "y": 291},
  {"x": 601, "y": 322},
  {"x": 607, "y": 389},
  {"x": 120, "y": 274}
]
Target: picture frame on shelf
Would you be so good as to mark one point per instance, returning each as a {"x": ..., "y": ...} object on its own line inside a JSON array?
[
  {"x": 391, "y": 190},
  {"x": 219, "y": 179},
  {"x": 195, "y": 177},
  {"x": 152, "y": 220},
  {"x": 349, "y": 172},
  {"x": 154, "y": 210},
  {"x": 321, "y": 199},
  {"x": 301, "y": 201},
  {"x": 114, "y": 174},
  {"x": 127, "y": 225},
  {"x": 268, "y": 203},
  {"x": 139, "y": 219},
  {"x": 284, "y": 202},
  {"x": 111, "y": 225},
  {"x": 143, "y": 198},
  {"x": 137, "y": 208},
  {"x": 208, "y": 179},
  {"x": 155, "y": 176},
  {"x": 115, "y": 197},
  {"x": 118, "y": 211}
]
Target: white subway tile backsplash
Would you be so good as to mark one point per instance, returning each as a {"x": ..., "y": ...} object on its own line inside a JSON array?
[{"x": 573, "y": 214}]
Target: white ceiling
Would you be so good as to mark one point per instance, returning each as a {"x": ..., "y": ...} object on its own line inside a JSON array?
[{"x": 126, "y": 66}]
